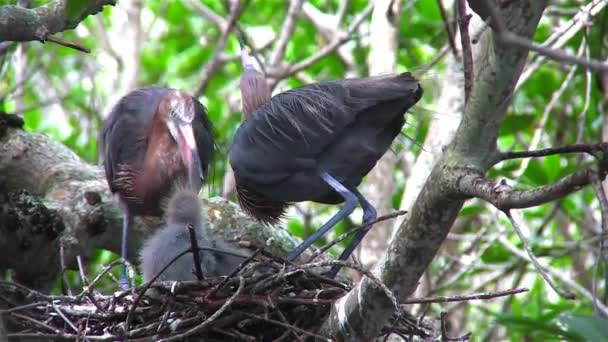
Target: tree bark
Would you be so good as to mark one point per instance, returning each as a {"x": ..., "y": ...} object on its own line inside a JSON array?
[
  {"x": 53, "y": 198},
  {"x": 22, "y": 24},
  {"x": 362, "y": 312}
]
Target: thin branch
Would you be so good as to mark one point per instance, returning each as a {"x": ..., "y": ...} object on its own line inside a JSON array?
[
  {"x": 286, "y": 31},
  {"x": 216, "y": 315},
  {"x": 286, "y": 325},
  {"x": 563, "y": 293},
  {"x": 65, "y": 319},
  {"x": 563, "y": 34},
  {"x": 81, "y": 270},
  {"x": 91, "y": 285},
  {"x": 509, "y": 38},
  {"x": 583, "y": 115},
  {"x": 195, "y": 253},
  {"x": 66, "y": 43},
  {"x": 208, "y": 14},
  {"x": 592, "y": 149},
  {"x": 479, "y": 296},
  {"x": 603, "y": 252},
  {"x": 506, "y": 198},
  {"x": 467, "y": 54},
  {"x": 327, "y": 49},
  {"x": 557, "y": 274},
  {"x": 216, "y": 62},
  {"x": 447, "y": 27},
  {"x": 64, "y": 277}
]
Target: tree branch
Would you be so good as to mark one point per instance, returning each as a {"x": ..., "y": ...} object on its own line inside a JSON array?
[
  {"x": 64, "y": 191},
  {"x": 414, "y": 245},
  {"x": 216, "y": 62},
  {"x": 505, "y": 198},
  {"x": 286, "y": 31},
  {"x": 508, "y": 37},
  {"x": 327, "y": 49},
  {"x": 40, "y": 23},
  {"x": 591, "y": 149}
]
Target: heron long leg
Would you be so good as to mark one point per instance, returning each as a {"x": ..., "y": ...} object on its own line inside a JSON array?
[
  {"x": 126, "y": 225},
  {"x": 369, "y": 215},
  {"x": 349, "y": 206}
]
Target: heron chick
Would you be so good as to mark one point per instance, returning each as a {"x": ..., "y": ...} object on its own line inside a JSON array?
[{"x": 173, "y": 238}]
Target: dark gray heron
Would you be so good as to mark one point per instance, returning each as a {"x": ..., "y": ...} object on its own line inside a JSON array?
[{"x": 315, "y": 143}]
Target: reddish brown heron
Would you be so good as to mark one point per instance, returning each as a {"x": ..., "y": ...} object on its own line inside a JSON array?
[
  {"x": 316, "y": 143},
  {"x": 217, "y": 257},
  {"x": 153, "y": 138}
]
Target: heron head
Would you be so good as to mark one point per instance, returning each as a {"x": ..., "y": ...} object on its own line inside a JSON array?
[{"x": 179, "y": 115}]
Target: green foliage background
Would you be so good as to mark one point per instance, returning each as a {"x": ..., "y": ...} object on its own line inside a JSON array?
[{"x": 66, "y": 93}]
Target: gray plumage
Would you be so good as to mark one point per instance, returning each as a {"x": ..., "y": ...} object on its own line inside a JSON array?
[{"x": 173, "y": 238}]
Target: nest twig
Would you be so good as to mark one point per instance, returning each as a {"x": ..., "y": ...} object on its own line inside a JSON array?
[{"x": 264, "y": 300}]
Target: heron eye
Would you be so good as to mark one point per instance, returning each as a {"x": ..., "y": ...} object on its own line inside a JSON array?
[
  {"x": 172, "y": 114},
  {"x": 187, "y": 116}
]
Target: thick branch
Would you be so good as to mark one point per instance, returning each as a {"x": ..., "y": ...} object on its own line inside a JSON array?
[
  {"x": 415, "y": 244},
  {"x": 22, "y": 24},
  {"x": 59, "y": 181}
]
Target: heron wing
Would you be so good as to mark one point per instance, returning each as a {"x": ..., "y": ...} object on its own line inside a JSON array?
[
  {"x": 288, "y": 133},
  {"x": 124, "y": 137}
]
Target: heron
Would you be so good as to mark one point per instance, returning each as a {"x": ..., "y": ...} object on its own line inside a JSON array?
[
  {"x": 153, "y": 138},
  {"x": 315, "y": 143},
  {"x": 217, "y": 257}
]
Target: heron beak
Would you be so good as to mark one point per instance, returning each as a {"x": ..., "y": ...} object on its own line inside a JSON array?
[{"x": 189, "y": 152}]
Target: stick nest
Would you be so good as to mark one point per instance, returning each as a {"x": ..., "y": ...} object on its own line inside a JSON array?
[{"x": 264, "y": 300}]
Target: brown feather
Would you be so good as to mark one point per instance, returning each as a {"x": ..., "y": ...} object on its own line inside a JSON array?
[{"x": 259, "y": 206}]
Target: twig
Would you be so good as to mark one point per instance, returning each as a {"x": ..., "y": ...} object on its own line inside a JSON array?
[
  {"x": 285, "y": 34},
  {"x": 582, "y": 117},
  {"x": 208, "y": 14},
  {"x": 81, "y": 270},
  {"x": 216, "y": 315},
  {"x": 448, "y": 29},
  {"x": 65, "y": 319},
  {"x": 232, "y": 274},
  {"x": 327, "y": 49},
  {"x": 555, "y": 98},
  {"x": 285, "y": 325},
  {"x": 603, "y": 252},
  {"x": 64, "y": 277},
  {"x": 196, "y": 257},
  {"x": 36, "y": 322},
  {"x": 283, "y": 318},
  {"x": 467, "y": 54},
  {"x": 507, "y": 37},
  {"x": 591, "y": 149},
  {"x": 563, "y": 293},
  {"x": 91, "y": 285},
  {"x": 479, "y": 296},
  {"x": 559, "y": 275},
  {"x": 216, "y": 62},
  {"x": 71, "y": 45},
  {"x": 563, "y": 34}
]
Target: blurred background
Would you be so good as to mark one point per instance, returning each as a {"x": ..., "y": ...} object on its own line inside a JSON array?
[{"x": 184, "y": 44}]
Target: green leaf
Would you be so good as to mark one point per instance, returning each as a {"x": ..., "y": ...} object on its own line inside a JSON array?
[{"x": 590, "y": 328}]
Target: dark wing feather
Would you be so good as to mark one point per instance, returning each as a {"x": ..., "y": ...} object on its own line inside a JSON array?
[
  {"x": 203, "y": 134},
  {"x": 288, "y": 133},
  {"x": 124, "y": 137}
]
